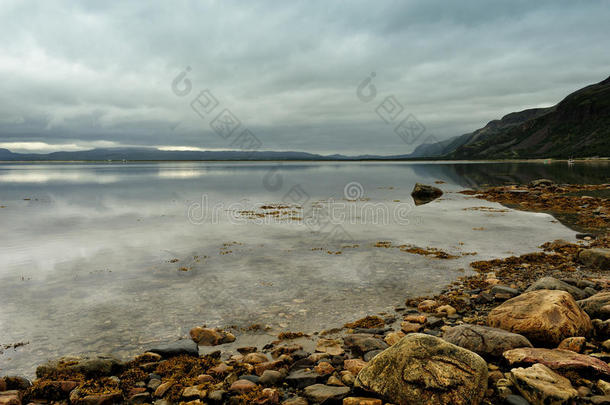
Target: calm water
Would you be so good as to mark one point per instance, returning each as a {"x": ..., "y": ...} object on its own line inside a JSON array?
[{"x": 116, "y": 257}]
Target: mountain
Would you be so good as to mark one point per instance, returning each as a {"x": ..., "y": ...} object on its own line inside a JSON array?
[{"x": 579, "y": 126}]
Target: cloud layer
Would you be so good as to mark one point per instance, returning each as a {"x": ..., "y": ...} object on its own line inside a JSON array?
[{"x": 87, "y": 74}]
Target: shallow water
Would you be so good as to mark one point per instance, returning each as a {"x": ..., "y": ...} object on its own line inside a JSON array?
[{"x": 88, "y": 251}]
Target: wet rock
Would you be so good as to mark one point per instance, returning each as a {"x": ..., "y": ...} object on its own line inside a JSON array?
[
  {"x": 95, "y": 399},
  {"x": 210, "y": 337},
  {"x": 216, "y": 395},
  {"x": 242, "y": 386},
  {"x": 260, "y": 368},
  {"x": 16, "y": 383},
  {"x": 354, "y": 365},
  {"x": 369, "y": 355},
  {"x": 597, "y": 306},
  {"x": 551, "y": 283},
  {"x": 502, "y": 289},
  {"x": 177, "y": 348},
  {"x": 141, "y": 398},
  {"x": 324, "y": 368},
  {"x": 540, "y": 385},
  {"x": 410, "y": 327},
  {"x": 599, "y": 399},
  {"x": 255, "y": 358},
  {"x": 543, "y": 316},
  {"x": 393, "y": 337},
  {"x": 163, "y": 388},
  {"x": 302, "y": 378},
  {"x": 575, "y": 344},
  {"x": 445, "y": 310},
  {"x": 334, "y": 381},
  {"x": 484, "y": 340},
  {"x": 558, "y": 359},
  {"x": 362, "y": 343},
  {"x": 270, "y": 377},
  {"x": 603, "y": 386},
  {"x": 88, "y": 365},
  {"x": 422, "y": 369},
  {"x": 427, "y": 306},
  {"x": 319, "y": 393},
  {"x": 516, "y": 400},
  {"x": 330, "y": 346},
  {"x": 11, "y": 397},
  {"x": 596, "y": 257}
]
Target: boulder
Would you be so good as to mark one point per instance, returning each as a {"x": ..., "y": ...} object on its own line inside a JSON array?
[
  {"x": 423, "y": 369},
  {"x": 558, "y": 359},
  {"x": 320, "y": 393},
  {"x": 597, "y": 306},
  {"x": 541, "y": 386},
  {"x": 596, "y": 257},
  {"x": 543, "y": 316},
  {"x": 485, "y": 341},
  {"x": 423, "y": 194},
  {"x": 551, "y": 283}
]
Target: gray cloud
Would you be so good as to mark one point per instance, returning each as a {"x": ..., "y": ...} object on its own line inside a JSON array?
[{"x": 99, "y": 73}]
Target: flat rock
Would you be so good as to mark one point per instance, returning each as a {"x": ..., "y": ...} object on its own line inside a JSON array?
[
  {"x": 302, "y": 378},
  {"x": 361, "y": 343},
  {"x": 423, "y": 369},
  {"x": 596, "y": 257},
  {"x": 558, "y": 359},
  {"x": 551, "y": 283},
  {"x": 319, "y": 393},
  {"x": 503, "y": 289},
  {"x": 541, "y": 386},
  {"x": 597, "y": 306},
  {"x": 242, "y": 386},
  {"x": 330, "y": 346},
  {"x": 484, "y": 340},
  {"x": 100, "y": 365},
  {"x": 177, "y": 348},
  {"x": 543, "y": 316},
  {"x": 361, "y": 401}
]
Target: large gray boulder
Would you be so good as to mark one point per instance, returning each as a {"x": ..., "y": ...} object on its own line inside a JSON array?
[
  {"x": 423, "y": 369},
  {"x": 551, "y": 283},
  {"x": 484, "y": 340}
]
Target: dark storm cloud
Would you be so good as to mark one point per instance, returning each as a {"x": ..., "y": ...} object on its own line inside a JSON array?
[{"x": 88, "y": 74}]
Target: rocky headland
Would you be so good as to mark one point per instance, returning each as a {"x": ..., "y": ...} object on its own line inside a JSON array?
[{"x": 528, "y": 329}]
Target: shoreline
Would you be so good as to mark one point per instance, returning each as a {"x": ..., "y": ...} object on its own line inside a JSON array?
[{"x": 331, "y": 361}]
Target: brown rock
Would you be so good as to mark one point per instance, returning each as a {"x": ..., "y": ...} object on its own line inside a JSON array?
[
  {"x": 194, "y": 392},
  {"x": 286, "y": 349},
  {"x": 423, "y": 369},
  {"x": 12, "y": 397},
  {"x": 334, "y": 381},
  {"x": 260, "y": 368},
  {"x": 596, "y": 257},
  {"x": 204, "y": 378},
  {"x": 393, "y": 337},
  {"x": 445, "y": 310},
  {"x": 409, "y": 327},
  {"x": 255, "y": 358},
  {"x": 272, "y": 395},
  {"x": 543, "y": 316},
  {"x": 220, "y": 369},
  {"x": 361, "y": 401},
  {"x": 415, "y": 318},
  {"x": 558, "y": 359},
  {"x": 324, "y": 368},
  {"x": 354, "y": 365},
  {"x": 148, "y": 357},
  {"x": 329, "y": 346},
  {"x": 540, "y": 385},
  {"x": 575, "y": 344},
  {"x": 427, "y": 306},
  {"x": 295, "y": 401},
  {"x": 597, "y": 305},
  {"x": 210, "y": 337},
  {"x": 163, "y": 388},
  {"x": 242, "y": 386}
]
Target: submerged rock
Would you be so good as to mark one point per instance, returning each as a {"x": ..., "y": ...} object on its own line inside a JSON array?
[
  {"x": 423, "y": 369},
  {"x": 484, "y": 340},
  {"x": 543, "y": 316},
  {"x": 423, "y": 194},
  {"x": 183, "y": 346},
  {"x": 540, "y": 385}
]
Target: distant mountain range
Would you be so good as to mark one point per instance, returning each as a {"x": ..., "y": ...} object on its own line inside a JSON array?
[{"x": 579, "y": 126}]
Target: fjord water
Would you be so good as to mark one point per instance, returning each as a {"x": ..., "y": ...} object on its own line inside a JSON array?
[{"x": 113, "y": 258}]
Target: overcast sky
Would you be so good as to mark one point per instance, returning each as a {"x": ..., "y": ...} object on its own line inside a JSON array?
[{"x": 77, "y": 75}]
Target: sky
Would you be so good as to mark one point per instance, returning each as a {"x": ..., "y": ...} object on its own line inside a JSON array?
[{"x": 350, "y": 77}]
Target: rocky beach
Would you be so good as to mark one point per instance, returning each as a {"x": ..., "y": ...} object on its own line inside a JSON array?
[{"x": 527, "y": 329}]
